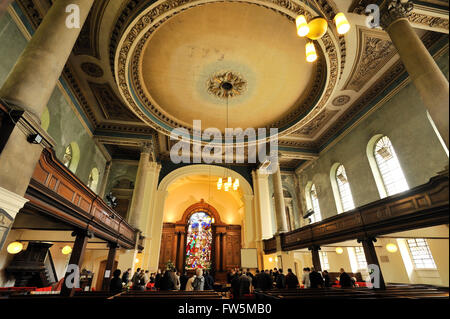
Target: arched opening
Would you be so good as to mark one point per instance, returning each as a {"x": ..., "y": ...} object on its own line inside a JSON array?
[
  {"x": 341, "y": 188},
  {"x": 192, "y": 189},
  {"x": 93, "y": 179},
  {"x": 385, "y": 166},
  {"x": 71, "y": 157}
]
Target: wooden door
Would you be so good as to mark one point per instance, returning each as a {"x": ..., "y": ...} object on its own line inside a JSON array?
[{"x": 101, "y": 274}]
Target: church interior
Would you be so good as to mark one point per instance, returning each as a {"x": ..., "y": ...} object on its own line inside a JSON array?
[{"x": 98, "y": 98}]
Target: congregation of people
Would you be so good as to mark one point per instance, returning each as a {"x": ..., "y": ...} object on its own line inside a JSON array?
[{"x": 242, "y": 283}]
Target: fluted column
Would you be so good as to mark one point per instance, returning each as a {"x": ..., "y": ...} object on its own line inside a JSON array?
[
  {"x": 428, "y": 79},
  {"x": 101, "y": 192},
  {"x": 279, "y": 202}
]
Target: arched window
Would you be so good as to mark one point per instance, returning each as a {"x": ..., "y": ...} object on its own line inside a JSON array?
[
  {"x": 45, "y": 119},
  {"x": 389, "y": 167},
  {"x": 71, "y": 156},
  {"x": 93, "y": 179},
  {"x": 199, "y": 241},
  {"x": 316, "y": 217},
  {"x": 341, "y": 188},
  {"x": 67, "y": 158}
]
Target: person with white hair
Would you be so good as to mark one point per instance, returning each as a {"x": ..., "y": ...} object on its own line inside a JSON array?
[{"x": 199, "y": 281}]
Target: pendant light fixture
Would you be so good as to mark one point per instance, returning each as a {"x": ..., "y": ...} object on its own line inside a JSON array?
[
  {"x": 227, "y": 87},
  {"x": 316, "y": 29}
]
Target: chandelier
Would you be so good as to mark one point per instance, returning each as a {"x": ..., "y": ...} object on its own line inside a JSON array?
[
  {"x": 316, "y": 29},
  {"x": 227, "y": 87}
]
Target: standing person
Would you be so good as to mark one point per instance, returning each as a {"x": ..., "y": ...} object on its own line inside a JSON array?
[
  {"x": 189, "y": 283},
  {"x": 115, "y": 285},
  {"x": 133, "y": 279},
  {"x": 250, "y": 275},
  {"x": 199, "y": 281},
  {"x": 326, "y": 279},
  {"x": 209, "y": 281},
  {"x": 244, "y": 285},
  {"x": 167, "y": 282},
  {"x": 305, "y": 278},
  {"x": 266, "y": 281},
  {"x": 256, "y": 281},
  {"x": 126, "y": 276},
  {"x": 183, "y": 281},
  {"x": 344, "y": 279},
  {"x": 291, "y": 280},
  {"x": 175, "y": 282},
  {"x": 158, "y": 278},
  {"x": 316, "y": 279},
  {"x": 281, "y": 280},
  {"x": 235, "y": 287}
]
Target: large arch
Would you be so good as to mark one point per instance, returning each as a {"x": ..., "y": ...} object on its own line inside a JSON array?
[{"x": 246, "y": 193}]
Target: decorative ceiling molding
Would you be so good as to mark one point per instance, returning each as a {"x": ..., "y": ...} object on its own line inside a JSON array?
[
  {"x": 88, "y": 40},
  {"x": 375, "y": 49},
  {"x": 92, "y": 69},
  {"x": 110, "y": 104},
  {"x": 310, "y": 129},
  {"x": 422, "y": 16},
  {"x": 341, "y": 100}
]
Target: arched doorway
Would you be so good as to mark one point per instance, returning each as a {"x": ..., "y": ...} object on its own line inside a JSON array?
[{"x": 201, "y": 240}]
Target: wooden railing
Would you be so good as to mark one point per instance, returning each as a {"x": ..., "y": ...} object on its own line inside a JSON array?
[
  {"x": 423, "y": 206},
  {"x": 54, "y": 190}
]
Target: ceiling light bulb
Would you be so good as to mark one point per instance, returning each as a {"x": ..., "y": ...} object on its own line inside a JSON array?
[
  {"x": 392, "y": 248},
  {"x": 317, "y": 28},
  {"x": 66, "y": 250},
  {"x": 339, "y": 250},
  {"x": 302, "y": 26},
  {"x": 342, "y": 24},
  {"x": 14, "y": 248},
  {"x": 311, "y": 54}
]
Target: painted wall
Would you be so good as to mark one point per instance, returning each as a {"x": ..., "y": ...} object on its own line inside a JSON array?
[
  {"x": 121, "y": 171},
  {"x": 403, "y": 119},
  {"x": 65, "y": 127}
]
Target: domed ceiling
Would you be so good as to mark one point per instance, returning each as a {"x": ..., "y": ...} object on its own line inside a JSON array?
[{"x": 173, "y": 67}]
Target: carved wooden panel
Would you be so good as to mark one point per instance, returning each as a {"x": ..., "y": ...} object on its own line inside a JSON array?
[
  {"x": 167, "y": 245},
  {"x": 53, "y": 186},
  {"x": 422, "y": 206}
]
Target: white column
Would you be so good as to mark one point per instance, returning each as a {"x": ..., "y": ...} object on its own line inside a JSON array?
[
  {"x": 262, "y": 193},
  {"x": 153, "y": 242},
  {"x": 280, "y": 210},
  {"x": 10, "y": 204},
  {"x": 250, "y": 229}
]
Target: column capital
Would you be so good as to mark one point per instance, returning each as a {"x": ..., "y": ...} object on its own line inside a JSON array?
[
  {"x": 393, "y": 10},
  {"x": 147, "y": 147}
]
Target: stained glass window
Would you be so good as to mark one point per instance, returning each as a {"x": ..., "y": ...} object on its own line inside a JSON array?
[{"x": 199, "y": 241}]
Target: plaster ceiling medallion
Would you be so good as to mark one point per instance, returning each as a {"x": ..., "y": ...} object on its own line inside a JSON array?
[
  {"x": 174, "y": 48},
  {"x": 341, "y": 100},
  {"x": 226, "y": 85}
]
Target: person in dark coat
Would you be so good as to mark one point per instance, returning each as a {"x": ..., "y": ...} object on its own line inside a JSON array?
[
  {"x": 256, "y": 280},
  {"x": 316, "y": 279},
  {"x": 291, "y": 280},
  {"x": 158, "y": 278},
  {"x": 280, "y": 279},
  {"x": 126, "y": 276},
  {"x": 344, "y": 280},
  {"x": 235, "y": 287},
  {"x": 166, "y": 281},
  {"x": 183, "y": 281},
  {"x": 115, "y": 285},
  {"x": 266, "y": 281},
  {"x": 244, "y": 285},
  {"x": 326, "y": 279},
  {"x": 209, "y": 281}
]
